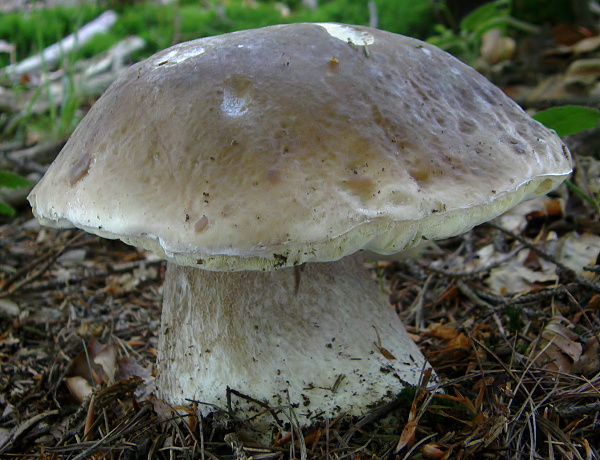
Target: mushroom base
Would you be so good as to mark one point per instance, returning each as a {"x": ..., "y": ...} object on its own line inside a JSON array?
[{"x": 316, "y": 341}]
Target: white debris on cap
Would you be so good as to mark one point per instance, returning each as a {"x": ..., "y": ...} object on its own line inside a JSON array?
[
  {"x": 296, "y": 143},
  {"x": 349, "y": 34}
]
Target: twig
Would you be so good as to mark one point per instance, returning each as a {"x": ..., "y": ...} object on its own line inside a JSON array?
[
  {"x": 472, "y": 296},
  {"x": 473, "y": 273},
  {"x": 51, "y": 259},
  {"x": 73, "y": 280},
  {"x": 89, "y": 420},
  {"x": 574, "y": 411},
  {"x": 54, "y": 52},
  {"x": 416, "y": 308},
  {"x": 42, "y": 153},
  {"x": 272, "y": 411},
  {"x": 373, "y": 15},
  {"x": 371, "y": 416},
  {"x": 19, "y": 431},
  {"x": 135, "y": 423}
]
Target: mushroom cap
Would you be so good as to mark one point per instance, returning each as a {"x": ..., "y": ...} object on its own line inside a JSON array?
[{"x": 294, "y": 143}]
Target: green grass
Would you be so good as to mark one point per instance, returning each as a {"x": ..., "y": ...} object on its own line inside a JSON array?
[{"x": 31, "y": 31}]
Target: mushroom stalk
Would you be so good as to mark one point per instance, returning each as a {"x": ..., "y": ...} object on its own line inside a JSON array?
[{"x": 329, "y": 343}]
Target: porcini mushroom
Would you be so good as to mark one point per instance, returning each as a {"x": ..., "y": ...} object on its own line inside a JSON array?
[{"x": 239, "y": 157}]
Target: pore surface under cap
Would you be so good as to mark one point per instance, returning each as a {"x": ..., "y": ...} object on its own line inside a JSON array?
[{"x": 295, "y": 143}]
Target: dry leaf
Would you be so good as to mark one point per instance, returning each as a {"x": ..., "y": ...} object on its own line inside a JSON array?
[
  {"x": 9, "y": 307},
  {"x": 386, "y": 353},
  {"x": 589, "y": 362},
  {"x": 558, "y": 347},
  {"x": 72, "y": 256},
  {"x": 102, "y": 363},
  {"x": 517, "y": 218},
  {"x": 79, "y": 388},
  {"x": 128, "y": 367},
  {"x": 515, "y": 276},
  {"x": 433, "y": 451},
  {"x": 567, "y": 34},
  {"x": 578, "y": 251},
  {"x": 442, "y": 332},
  {"x": 594, "y": 303},
  {"x": 8, "y": 408},
  {"x": 106, "y": 358},
  {"x": 163, "y": 411},
  {"x": 586, "y": 45},
  {"x": 460, "y": 341},
  {"x": 582, "y": 74},
  {"x": 407, "y": 437}
]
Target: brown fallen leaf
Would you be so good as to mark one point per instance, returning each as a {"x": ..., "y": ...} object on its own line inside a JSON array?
[
  {"x": 460, "y": 341},
  {"x": 97, "y": 363},
  {"x": 589, "y": 361},
  {"x": 442, "y": 332},
  {"x": 407, "y": 437},
  {"x": 557, "y": 349},
  {"x": 435, "y": 451},
  {"x": 594, "y": 303},
  {"x": 79, "y": 388},
  {"x": 127, "y": 367}
]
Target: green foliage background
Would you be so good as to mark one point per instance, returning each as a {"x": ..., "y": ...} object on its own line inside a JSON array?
[{"x": 163, "y": 25}]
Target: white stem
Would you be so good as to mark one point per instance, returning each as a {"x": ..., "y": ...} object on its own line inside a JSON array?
[{"x": 312, "y": 345}]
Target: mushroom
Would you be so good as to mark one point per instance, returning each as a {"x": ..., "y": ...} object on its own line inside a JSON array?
[{"x": 260, "y": 164}]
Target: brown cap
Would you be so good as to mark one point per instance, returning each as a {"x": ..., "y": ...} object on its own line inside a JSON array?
[{"x": 296, "y": 143}]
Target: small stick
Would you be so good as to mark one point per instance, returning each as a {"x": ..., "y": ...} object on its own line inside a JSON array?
[{"x": 89, "y": 419}]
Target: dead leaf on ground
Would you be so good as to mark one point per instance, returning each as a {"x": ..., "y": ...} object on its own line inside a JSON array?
[
  {"x": 79, "y": 388},
  {"x": 435, "y": 451},
  {"x": 586, "y": 45},
  {"x": 460, "y": 341},
  {"x": 582, "y": 75},
  {"x": 442, "y": 332},
  {"x": 97, "y": 364},
  {"x": 517, "y": 218},
  {"x": 577, "y": 251},
  {"x": 515, "y": 276},
  {"x": 589, "y": 361},
  {"x": 557, "y": 349}
]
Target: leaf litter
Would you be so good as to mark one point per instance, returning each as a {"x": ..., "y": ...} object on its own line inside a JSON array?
[
  {"x": 519, "y": 367},
  {"x": 508, "y": 315}
]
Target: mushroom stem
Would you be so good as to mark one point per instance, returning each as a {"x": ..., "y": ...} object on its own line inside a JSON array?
[{"x": 312, "y": 347}]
